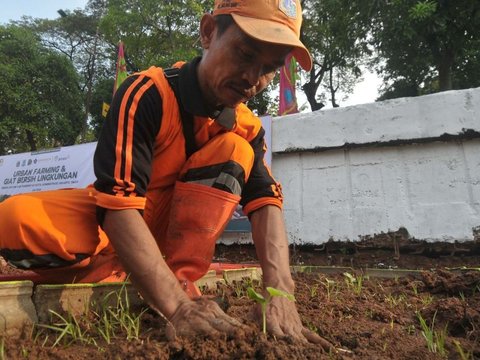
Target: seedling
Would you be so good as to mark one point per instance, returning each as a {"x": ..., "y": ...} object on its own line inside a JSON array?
[
  {"x": 435, "y": 339},
  {"x": 463, "y": 355},
  {"x": 313, "y": 290},
  {"x": 426, "y": 299},
  {"x": 329, "y": 286},
  {"x": 395, "y": 300},
  {"x": 354, "y": 282},
  {"x": 68, "y": 329},
  {"x": 264, "y": 301},
  {"x": 114, "y": 317}
]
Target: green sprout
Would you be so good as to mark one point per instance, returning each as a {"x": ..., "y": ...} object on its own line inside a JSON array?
[
  {"x": 435, "y": 339},
  {"x": 264, "y": 301},
  {"x": 355, "y": 282}
]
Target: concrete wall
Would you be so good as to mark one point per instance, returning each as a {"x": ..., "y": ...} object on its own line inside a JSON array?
[{"x": 361, "y": 170}]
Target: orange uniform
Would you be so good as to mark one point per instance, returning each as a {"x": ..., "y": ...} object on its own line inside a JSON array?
[{"x": 141, "y": 162}]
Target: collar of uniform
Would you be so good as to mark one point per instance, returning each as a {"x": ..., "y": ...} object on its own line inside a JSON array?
[
  {"x": 193, "y": 100},
  {"x": 190, "y": 93}
]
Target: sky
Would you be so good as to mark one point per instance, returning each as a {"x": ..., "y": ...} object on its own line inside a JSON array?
[
  {"x": 364, "y": 92},
  {"x": 15, "y": 9}
]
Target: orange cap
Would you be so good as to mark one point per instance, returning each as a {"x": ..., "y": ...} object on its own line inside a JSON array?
[{"x": 273, "y": 21}]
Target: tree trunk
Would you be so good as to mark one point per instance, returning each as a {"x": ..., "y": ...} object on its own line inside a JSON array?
[
  {"x": 332, "y": 89},
  {"x": 310, "y": 90},
  {"x": 445, "y": 71},
  {"x": 31, "y": 140}
]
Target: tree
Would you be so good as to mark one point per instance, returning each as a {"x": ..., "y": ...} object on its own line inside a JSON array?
[
  {"x": 77, "y": 35},
  {"x": 40, "y": 103},
  {"x": 427, "y": 46},
  {"x": 155, "y": 32},
  {"x": 101, "y": 94},
  {"x": 334, "y": 32}
]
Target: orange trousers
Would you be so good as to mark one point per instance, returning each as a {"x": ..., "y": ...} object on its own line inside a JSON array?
[{"x": 55, "y": 233}]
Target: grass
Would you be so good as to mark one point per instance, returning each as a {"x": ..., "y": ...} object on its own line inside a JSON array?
[
  {"x": 69, "y": 330},
  {"x": 463, "y": 355},
  {"x": 395, "y": 300},
  {"x": 330, "y": 287},
  {"x": 435, "y": 339},
  {"x": 2, "y": 349},
  {"x": 354, "y": 282},
  {"x": 114, "y": 318}
]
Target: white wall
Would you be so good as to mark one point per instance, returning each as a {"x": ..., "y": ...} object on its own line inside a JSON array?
[{"x": 361, "y": 170}]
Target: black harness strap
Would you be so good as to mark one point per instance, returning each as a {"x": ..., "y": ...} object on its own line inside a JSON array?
[{"x": 171, "y": 74}]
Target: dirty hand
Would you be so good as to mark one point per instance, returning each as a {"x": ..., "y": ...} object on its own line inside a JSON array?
[
  {"x": 283, "y": 320},
  {"x": 202, "y": 316}
]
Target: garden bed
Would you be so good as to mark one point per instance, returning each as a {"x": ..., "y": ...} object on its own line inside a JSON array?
[{"x": 433, "y": 313}]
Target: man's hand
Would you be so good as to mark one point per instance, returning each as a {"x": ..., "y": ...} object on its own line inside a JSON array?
[
  {"x": 202, "y": 316},
  {"x": 283, "y": 321}
]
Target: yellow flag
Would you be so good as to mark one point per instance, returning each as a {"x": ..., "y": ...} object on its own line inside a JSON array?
[{"x": 105, "y": 108}]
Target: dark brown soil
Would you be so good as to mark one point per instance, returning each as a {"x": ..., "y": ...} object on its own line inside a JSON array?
[{"x": 372, "y": 318}]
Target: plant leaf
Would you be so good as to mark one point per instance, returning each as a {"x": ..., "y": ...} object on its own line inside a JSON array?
[
  {"x": 275, "y": 292},
  {"x": 252, "y": 294}
]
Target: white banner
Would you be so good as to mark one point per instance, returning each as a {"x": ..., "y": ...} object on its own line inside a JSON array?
[{"x": 65, "y": 167}]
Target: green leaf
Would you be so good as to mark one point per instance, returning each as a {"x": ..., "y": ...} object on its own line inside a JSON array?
[
  {"x": 276, "y": 292},
  {"x": 252, "y": 294}
]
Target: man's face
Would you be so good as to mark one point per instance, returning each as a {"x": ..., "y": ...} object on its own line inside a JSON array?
[{"x": 235, "y": 67}]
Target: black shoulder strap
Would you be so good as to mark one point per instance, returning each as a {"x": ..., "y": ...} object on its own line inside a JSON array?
[{"x": 171, "y": 74}]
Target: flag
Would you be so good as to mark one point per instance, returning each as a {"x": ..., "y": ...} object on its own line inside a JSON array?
[
  {"x": 105, "y": 108},
  {"x": 121, "y": 68},
  {"x": 288, "y": 77}
]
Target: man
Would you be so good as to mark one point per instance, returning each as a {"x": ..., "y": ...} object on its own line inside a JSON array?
[{"x": 176, "y": 155}]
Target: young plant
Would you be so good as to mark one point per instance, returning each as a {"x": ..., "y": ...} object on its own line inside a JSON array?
[
  {"x": 395, "y": 300},
  {"x": 435, "y": 339},
  {"x": 463, "y": 355},
  {"x": 68, "y": 329},
  {"x": 426, "y": 300},
  {"x": 330, "y": 286},
  {"x": 313, "y": 290},
  {"x": 264, "y": 301},
  {"x": 113, "y": 318},
  {"x": 354, "y": 282}
]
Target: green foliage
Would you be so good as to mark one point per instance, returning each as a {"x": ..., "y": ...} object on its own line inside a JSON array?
[
  {"x": 69, "y": 330},
  {"x": 334, "y": 32},
  {"x": 2, "y": 348},
  {"x": 426, "y": 46},
  {"x": 463, "y": 355},
  {"x": 155, "y": 32},
  {"x": 40, "y": 103},
  {"x": 102, "y": 92},
  {"x": 354, "y": 282},
  {"x": 435, "y": 339},
  {"x": 331, "y": 288},
  {"x": 113, "y": 319}
]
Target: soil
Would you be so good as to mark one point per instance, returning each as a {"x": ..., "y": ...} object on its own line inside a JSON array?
[{"x": 370, "y": 317}]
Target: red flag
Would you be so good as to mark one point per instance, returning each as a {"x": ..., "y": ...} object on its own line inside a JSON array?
[
  {"x": 288, "y": 77},
  {"x": 121, "y": 73}
]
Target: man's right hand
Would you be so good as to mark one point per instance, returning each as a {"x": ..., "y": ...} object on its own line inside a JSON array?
[{"x": 202, "y": 316}]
